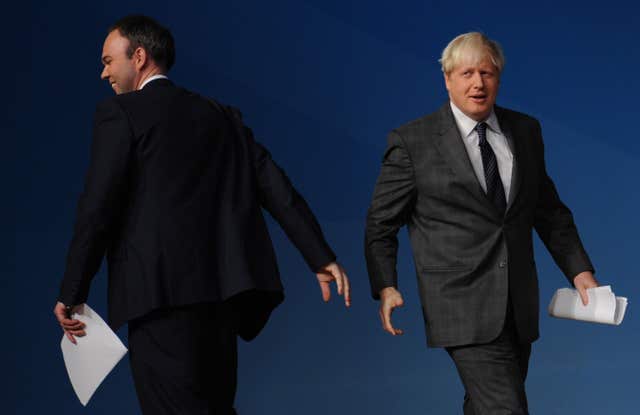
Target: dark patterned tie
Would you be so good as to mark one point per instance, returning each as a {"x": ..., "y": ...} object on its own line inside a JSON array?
[{"x": 495, "y": 191}]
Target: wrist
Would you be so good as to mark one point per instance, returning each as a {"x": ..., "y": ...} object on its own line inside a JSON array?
[{"x": 387, "y": 291}]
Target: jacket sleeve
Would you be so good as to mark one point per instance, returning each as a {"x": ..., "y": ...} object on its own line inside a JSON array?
[
  {"x": 278, "y": 196},
  {"x": 553, "y": 221},
  {"x": 392, "y": 203},
  {"x": 100, "y": 201}
]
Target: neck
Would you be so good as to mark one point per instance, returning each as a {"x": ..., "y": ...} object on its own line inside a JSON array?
[{"x": 146, "y": 74}]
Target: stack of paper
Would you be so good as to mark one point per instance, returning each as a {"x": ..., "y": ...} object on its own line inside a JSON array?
[
  {"x": 603, "y": 307},
  {"x": 95, "y": 355}
]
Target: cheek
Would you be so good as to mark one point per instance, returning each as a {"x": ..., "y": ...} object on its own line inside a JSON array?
[
  {"x": 455, "y": 87},
  {"x": 114, "y": 72}
]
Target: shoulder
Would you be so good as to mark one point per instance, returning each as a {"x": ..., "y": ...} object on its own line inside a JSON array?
[
  {"x": 110, "y": 108},
  {"x": 414, "y": 134},
  {"x": 118, "y": 105},
  {"x": 219, "y": 108},
  {"x": 166, "y": 99},
  {"x": 516, "y": 117},
  {"x": 419, "y": 127}
]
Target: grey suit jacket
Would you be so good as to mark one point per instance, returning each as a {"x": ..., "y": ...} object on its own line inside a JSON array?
[{"x": 469, "y": 258}]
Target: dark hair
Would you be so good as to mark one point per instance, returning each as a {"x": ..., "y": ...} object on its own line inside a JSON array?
[{"x": 143, "y": 31}]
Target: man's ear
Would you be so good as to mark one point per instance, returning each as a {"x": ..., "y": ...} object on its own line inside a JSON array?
[
  {"x": 446, "y": 80},
  {"x": 140, "y": 57}
]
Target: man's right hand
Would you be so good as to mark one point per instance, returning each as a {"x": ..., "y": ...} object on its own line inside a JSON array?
[
  {"x": 71, "y": 327},
  {"x": 390, "y": 298}
]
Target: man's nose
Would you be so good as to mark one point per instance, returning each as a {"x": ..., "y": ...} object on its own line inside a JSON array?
[
  {"x": 104, "y": 75},
  {"x": 478, "y": 81}
]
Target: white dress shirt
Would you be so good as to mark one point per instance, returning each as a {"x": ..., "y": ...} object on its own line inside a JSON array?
[
  {"x": 152, "y": 78},
  {"x": 496, "y": 139}
]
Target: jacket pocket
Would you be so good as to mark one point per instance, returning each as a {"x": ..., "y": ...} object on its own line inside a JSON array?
[{"x": 445, "y": 268}]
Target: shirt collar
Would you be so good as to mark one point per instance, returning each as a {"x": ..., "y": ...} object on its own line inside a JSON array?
[
  {"x": 466, "y": 124},
  {"x": 152, "y": 78}
]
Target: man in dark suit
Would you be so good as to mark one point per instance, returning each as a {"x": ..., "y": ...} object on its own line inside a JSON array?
[
  {"x": 470, "y": 183},
  {"x": 173, "y": 196}
]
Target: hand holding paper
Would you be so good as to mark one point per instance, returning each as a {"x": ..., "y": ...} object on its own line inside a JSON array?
[
  {"x": 603, "y": 307},
  {"x": 71, "y": 327},
  {"x": 93, "y": 356},
  {"x": 583, "y": 281}
]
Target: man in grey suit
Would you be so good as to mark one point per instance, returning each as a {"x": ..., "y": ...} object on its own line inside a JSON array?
[{"x": 470, "y": 183}]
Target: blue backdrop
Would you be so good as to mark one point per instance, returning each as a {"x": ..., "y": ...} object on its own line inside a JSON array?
[{"x": 321, "y": 82}]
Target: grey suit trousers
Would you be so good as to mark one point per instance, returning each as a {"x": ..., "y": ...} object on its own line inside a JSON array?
[{"x": 494, "y": 373}]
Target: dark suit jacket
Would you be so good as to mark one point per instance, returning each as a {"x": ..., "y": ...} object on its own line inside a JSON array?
[
  {"x": 173, "y": 196},
  {"x": 469, "y": 258}
]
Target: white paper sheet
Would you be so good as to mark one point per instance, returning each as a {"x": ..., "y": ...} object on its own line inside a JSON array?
[
  {"x": 603, "y": 307},
  {"x": 95, "y": 355}
]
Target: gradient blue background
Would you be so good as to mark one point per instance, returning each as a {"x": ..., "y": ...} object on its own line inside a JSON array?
[{"x": 321, "y": 83}]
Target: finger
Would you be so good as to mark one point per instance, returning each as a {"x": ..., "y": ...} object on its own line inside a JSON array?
[
  {"x": 386, "y": 320},
  {"x": 70, "y": 337},
  {"x": 69, "y": 322},
  {"x": 78, "y": 333},
  {"x": 583, "y": 295},
  {"x": 337, "y": 274},
  {"x": 383, "y": 319},
  {"x": 73, "y": 326},
  {"x": 77, "y": 327},
  {"x": 347, "y": 291},
  {"x": 326, "y": 290}
]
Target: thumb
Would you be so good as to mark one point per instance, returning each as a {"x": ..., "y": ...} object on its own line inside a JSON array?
[
  {"x": 583, "y": 295},
  {"x": 326, "y": 290}
]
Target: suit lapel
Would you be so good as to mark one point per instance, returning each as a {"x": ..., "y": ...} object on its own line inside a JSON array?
[
  {"x": 515, "y": 146},
  {"x": 450, "y": 145}
]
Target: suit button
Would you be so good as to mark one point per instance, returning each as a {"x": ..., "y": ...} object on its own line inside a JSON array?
[{"x": 502, "y": 264}]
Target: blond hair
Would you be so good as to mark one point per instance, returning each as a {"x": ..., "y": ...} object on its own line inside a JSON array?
[{"x": 472, "y": 48}]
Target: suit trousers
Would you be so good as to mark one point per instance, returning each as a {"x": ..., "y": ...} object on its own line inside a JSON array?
[
  {"x": 494, "y": 373},
  {"x": 184, "y": 360}
]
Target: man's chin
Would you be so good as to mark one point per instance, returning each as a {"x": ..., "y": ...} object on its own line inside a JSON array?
[
  {"x": 479, "y": 113},
  {"x": 118, "y": 90}
]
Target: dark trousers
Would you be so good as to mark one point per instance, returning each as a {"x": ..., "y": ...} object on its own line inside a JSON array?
[
  {"x": 184, "y": 360},
  {"x": 494, "y": 373}
]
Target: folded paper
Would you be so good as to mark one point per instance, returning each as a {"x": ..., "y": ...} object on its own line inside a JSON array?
[
  {"x": 603, "y": 306},
  {"x": 95, "y": 355}
]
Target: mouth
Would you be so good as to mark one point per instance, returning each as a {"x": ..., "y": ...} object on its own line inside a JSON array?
[{"x": 478, "y": 98}]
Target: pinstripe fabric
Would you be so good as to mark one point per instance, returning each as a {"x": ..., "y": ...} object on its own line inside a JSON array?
[{"x": 495, "y": 190}]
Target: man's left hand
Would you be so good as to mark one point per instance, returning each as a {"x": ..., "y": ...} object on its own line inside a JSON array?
[
  {"x": 334, "y": 272},
  {"x": 583, "y": 281}
]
